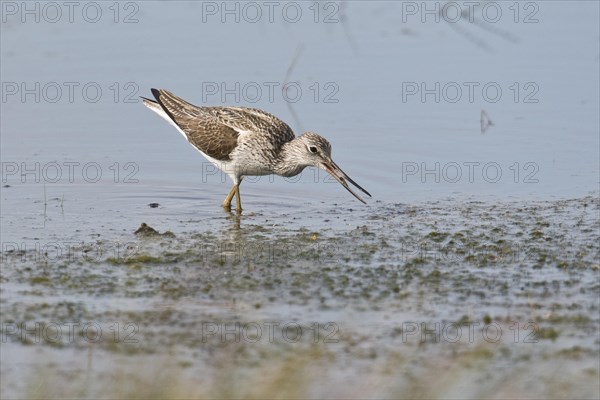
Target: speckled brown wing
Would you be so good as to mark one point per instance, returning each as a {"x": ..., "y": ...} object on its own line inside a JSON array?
[
  {"x": 207, "y": 133},
  {"x": 246, "y": 120}
]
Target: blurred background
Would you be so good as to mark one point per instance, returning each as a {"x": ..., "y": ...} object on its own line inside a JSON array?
[
  {"x": 396, "y": 87},
  {"x": 423, "y": 102}
]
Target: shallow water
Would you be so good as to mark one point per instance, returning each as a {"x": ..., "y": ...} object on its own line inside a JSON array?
[{"x": 498, "y": 229}]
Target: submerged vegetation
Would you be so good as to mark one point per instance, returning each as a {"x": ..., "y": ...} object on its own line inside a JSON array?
[{"x": 466, "y": 293}]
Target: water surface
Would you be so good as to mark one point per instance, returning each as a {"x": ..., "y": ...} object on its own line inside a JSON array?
[{"x": 498, "y": 228}]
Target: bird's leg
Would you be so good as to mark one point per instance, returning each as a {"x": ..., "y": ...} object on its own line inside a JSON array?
[
  {"x": 238, "y": 199},
  {"x": 227, "y": 202}
]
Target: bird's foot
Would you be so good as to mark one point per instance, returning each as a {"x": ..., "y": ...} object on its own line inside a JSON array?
[{"x": 227, "y": 208}]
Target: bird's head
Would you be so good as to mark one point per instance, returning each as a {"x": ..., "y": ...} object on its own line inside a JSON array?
[{"x": 316, "y": 151}]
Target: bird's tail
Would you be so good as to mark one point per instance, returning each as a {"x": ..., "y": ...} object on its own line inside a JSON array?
[
  {"x": 151, "y": 104},
  {"x": 157, "y": 108}
]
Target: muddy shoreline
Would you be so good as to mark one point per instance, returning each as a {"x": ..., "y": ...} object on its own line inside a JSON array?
[{"x": 483, "y": 288}]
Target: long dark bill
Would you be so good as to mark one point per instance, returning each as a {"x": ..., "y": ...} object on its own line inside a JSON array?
[{"x": 335, "y": 171}]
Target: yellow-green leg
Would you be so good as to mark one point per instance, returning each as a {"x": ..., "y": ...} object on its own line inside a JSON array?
[
  {"x": 238, "y": 199},
  {"x": 227, "y": 201},
  {"x": 235, "y": 191}
]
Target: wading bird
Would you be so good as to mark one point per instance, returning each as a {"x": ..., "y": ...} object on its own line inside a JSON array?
[{"x": 247, "y": 142}]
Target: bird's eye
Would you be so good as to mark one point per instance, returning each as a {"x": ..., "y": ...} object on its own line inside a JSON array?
[{"x": 312, "y": 149}]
